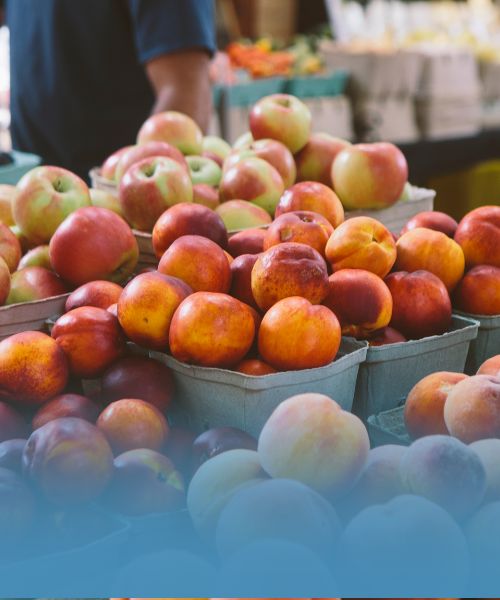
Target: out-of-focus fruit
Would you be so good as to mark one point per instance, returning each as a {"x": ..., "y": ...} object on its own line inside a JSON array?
[
  {"x": 206, "y": 195},
  {"x": 479, "y": 235},
  {"x": 66, "y": 405},
  {"x": 4, "y": 281},
  {"x": 204, "y": 170},
  {"x": 314, "y": 161},
  {"x": 7, "y": 195},
  {"x": 108, "y": 168},
  {"x": 104, "y": 199},
  {"x": 11, "y": 454},
  {"x": 303, "y": 227},
  {"x": 387, "y": 335},
  {"x": 137, "y": 153},
  {"x": 215, "y": 148},
  {"x": 174, "y": 128},
  {"x": 313, "y": 196},
  {"x": 490, "y": 367},
  {"x": 479, "y": 291},
  {"x": 295, "y": 334}
]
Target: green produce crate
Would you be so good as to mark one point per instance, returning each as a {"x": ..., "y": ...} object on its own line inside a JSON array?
[
  {"x": 209, "y": 397},
  {"x": 320, "y": 86},
  {"x": 487, "y": 343},
  {"x": 23, "y": 162},
  {"x": 389, "y": 372},
  {"x": 388, "y": 427},
  {"x": 247, "y": 94}
]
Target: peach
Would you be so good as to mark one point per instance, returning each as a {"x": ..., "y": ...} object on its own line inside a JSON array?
[
  {"x": 240, "y": 214},
  {"x": 421, "y": 304},
  {"x": 255, "y": 367},
  {"x": 36, "y": 257},
  {"x": 479, "y": 291},
  {"x": 387, "y": 335},
  {"x": 479, "y": 235},
  {"x": 314, "y": 161},
  {"x": 17, "y": 508},
  {"x": 311, "y": 439},
  {"x": 249, "y": 241},
  {"x": 369, "y": 176},
  {"x": 313, "y": 196},
  {"x": 488, "y": 452},
  {"x": 70, "y": 461},
  {"x": 91, "y": 338},
  {"x": 471, "y": 412},
  {"x": 139, "y": 377},
  {"x": 11, "y": 454},
  {"x": 187, "y": 218},
  {"x": 362, "y": 243},
  {"x": 216, "y": 481},
  {"x": 379, "y": 481},
  {"x": 4, "y": 281},
  {"x": 66, "y": 405},
  {"x": 241, "y": 278},
  {"x": 211, "y": 330},
  {"x": 145, "y": 482},
  {"x": 33, "y": 368},
  {"x": 199, "y": 262},
  {"x": 101, "y": 294},
  {"x": 289, "y": 269},
  {"x": 12, "y": 424},
  {"x": 34, "y": 283},
  {"x": 7, "y": 194},
  {"x": 255, "y": 180},
  {"x": 129, "y": 424},
  {"x": 303, "y": 227},
  {"x": 432, "y": 219},
  {"x": 146, "y": 308},
  {"x": 445, "y": 471},
  {"x": 491, "y": 367},
  {"x": 424, "y": 408},
  {"x": 10, "y": 248},
  {"x": 433, "y": 251},
  {"x": 217, "y": 440},
  {"x": 277, "y": 509},
  {"x": 93, "y": 243},
  {"x": 361, "y": 301},
  {"x": 206, "y": 195},
  {"x": 295, "y": 334}
]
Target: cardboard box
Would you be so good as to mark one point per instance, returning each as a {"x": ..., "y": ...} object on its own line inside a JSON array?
[
  {"x": 393, "y": 119},
  {"x": 389, "y": 372},
  {"x": 209, "y": 397}
]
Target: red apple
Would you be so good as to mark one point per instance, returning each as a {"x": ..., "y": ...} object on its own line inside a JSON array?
[
  {"x": 10, "y": 247},
  {"x": 34, "y": 283},
  {"x": 174, "y": 128},
  {"x": 314, "y": 161},
  {"x": 478, "y": 234},
  {"x": 151, "y": 186},
  {"x": 369, "y": 176},
  {"x": 108, "y": 168},
  {"x": 215, "y": 148},
  {"x": 281, "y": 117},
  {"x": 206, "y": 195},
  {"x": 136, "y": 154},
  {"x": 94, "y": 243},
  {"x": 47, "y": 195}
]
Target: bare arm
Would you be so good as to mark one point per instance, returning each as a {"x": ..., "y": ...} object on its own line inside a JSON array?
[{"x": 181, "y": 82}]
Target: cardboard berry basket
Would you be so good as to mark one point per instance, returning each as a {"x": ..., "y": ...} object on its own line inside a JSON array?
[
  {"x": 23, "y": 162},
  {"x": 210, "y": 397},
  {"x": 30, "y": 316},
  {"x": 487, "y": 343},
  {"x": 396, "y": 216},
  {"x": 389, "y": 372},
  {"x": 388, "y": 427}
]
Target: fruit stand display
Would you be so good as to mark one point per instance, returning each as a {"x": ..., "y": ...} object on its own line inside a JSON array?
[{"x": 222, "y": 320}]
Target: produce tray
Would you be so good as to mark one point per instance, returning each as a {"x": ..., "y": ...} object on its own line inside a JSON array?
[
  {"x": 388, "y": 427},
  {"x": 389, "y": 372},
  {"x": 396, "y": 216},
  {"x": 209, "y": 397},
  {"x": 101, "y": 183},
  {"x": 487, "y": 343},
  {"x": 23, "y": 162},
  {"x": 30, "y": 316}
]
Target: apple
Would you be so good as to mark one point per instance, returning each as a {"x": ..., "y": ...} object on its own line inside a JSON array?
[
  {"x": 47, "y": 195},
  {"x": 23, "y": 240},
  {"x": 36, "y": 257},
  {"x": 108, "y": 168},
  {"x": 255, "y": 180},
  {"x": 105, "y": 199},
  {"x": 7, "y": 195},
  {"x": 10, "y": 247},
  {"x": 314, "y": 161},
  {"x": 4, "y": 281},
  {"x": 34, "y": 283},
  {"x": 93, "y": 243},
  {"x": 206, "y": 195},
  {"x": 281, "y": 117},
  {"x": 241, "y": 214},
  {"x": 174, "y": 128},
  {"x": 204, "y": 170},
  {"x": 245, "y": 139},
  {"x": 215, "y": 148},
  {"x": 151, "y": 186},
  {"x": 369, "y": 176},
  {"x": 137, "y": 153}
]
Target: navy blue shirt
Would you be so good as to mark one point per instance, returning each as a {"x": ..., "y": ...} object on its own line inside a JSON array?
[{"x": 79, "y": 89}]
